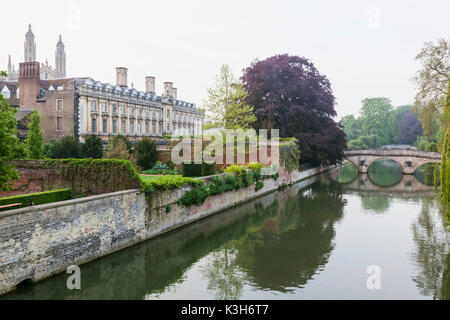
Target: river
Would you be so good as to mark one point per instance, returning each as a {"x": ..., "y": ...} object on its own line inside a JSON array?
[{"x": 338, "y": 235}]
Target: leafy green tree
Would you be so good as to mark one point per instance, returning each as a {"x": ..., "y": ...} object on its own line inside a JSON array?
[
  {"x": 35, "y": 137},
  {"x": 376, "y": 119},
  {"x": 352, "y": 127},
  {"x": 9, "y": 142},
  {"x": 145, "y": 153},
  {"x": 226, "y": 104},
  {"x": 92, "y": 147}
]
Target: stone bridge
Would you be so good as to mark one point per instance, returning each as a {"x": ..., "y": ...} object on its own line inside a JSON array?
[{"x": 409, "y": 160}]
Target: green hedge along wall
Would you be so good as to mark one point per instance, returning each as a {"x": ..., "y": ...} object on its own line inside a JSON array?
[{"x": 37, "y": 198}]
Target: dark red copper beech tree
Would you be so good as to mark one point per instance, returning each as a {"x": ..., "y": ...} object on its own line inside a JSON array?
[{"x": 289, "y": 94}]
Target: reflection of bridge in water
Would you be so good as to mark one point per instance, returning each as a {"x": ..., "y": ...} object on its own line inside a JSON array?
[
  {"x": 408, "y": 160},
  {"x": 407, "y": 187}
]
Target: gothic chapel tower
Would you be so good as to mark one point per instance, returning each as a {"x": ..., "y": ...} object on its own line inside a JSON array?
[
  {"x": 30, "y": 46},
  {"x": 60, "y": 59}
]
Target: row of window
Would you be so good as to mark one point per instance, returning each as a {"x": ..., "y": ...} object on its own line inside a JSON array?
[
  {"x": 123, "y": 126},
  {"x": 131, "y": 111}
]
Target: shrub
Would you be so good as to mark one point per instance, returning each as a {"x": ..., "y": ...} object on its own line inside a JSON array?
[
  {"x": 92, "y": 147},
  {"x": 259, "y": 185},
  {"x": 192, "y": 169},
  {"x": 196, "y": 196},
  {"x": 114, "y": 140},
  {"x": 169, "y": 182},
  {"x": 169, "y": 163},
  {"x": 119, "y": 150},
  {"x": 145, "y": 153},
  {"x": 233, "y": 168},
  {"x": 37, "y": 198},
  {"x": 255, "y": 166},
  {"x": 161, "y": 171},
  {"x": 208, "y": 169},
  {"x": 67, "y": 147}
]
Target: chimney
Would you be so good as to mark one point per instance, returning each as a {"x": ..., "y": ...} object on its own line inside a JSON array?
[
  {"x": 150, "y": 84},
  {"x": 121, "y": 76},
  {"x": 168, "y": 89},
  {"x": 29, "y": 83},
  {"x": 174, "y": 93}
]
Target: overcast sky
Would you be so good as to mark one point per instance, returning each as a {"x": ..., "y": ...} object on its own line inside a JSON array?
[{"x": 365, "y": 48}]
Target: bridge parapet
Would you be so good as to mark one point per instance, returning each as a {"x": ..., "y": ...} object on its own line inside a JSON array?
[{"x": 394, "y": 152}]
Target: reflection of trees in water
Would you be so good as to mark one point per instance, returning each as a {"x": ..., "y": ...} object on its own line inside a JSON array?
[
  {"x": 425, "y": 174},
  {"x": 300, "y": 245},
  {"x": 375, "y": 203},
  {"x": 432, "y": 252},
  {"x": 384, "y": 172}
]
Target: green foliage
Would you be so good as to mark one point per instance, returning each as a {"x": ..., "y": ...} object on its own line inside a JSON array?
[
  {"x": 161, "y": 171},
  {"x": 168, "y": 183},
  {"x": 234, "y": 168},
  {"x": 67, "y": 147},
  {"x": 254, "y": 166},
  {"x": 35, "y": 137},
  {"x": 198, "y": 169},
  {"x": 290, "y": 154},
  {"x": 9, "y": 144},
  {"x": 169, "y": 163},
  {"x": 145, "y": 153},
  {"x": 259, "y": 185},
  {"x": 226, "y": 102},
  {"x": 115, "y": 140},
  {"x": 36, "y": 198},
  {"x": 92, "y": 147}
]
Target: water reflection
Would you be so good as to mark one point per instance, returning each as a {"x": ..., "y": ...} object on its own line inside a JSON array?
[
  {"x": 281, "y": 244},
  {"x": 425, "y": 174},
  {"x": 385, "y": 172}
]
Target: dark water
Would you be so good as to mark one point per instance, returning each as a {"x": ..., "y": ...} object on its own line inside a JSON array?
[{"x": 314, "y": 240}]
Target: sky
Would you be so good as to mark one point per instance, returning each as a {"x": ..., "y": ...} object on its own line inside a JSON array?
[{"x": 365, "y": 48}]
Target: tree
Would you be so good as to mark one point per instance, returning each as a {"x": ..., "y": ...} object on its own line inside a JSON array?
[
  {"x": 92, "y": 147},
  {"x": 145, "y": 153},
  {"x": 114, "y": 140},
  {"x": 433, "y": 82},
  {"x": 409, "y": 128},
  {"x": 35, "y": 137},
  {"x": 226, "y": 102},
  {"x": 289, "y": 94},
  {"x": 8, "y": 142},
  {"x": 119, "y": 150},
  {"x": 376, "y": 119},
  {"x": 67, "y": 147}
]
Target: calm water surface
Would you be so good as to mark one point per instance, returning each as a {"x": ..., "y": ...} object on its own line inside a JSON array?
[{"x": 314, "y": 240}]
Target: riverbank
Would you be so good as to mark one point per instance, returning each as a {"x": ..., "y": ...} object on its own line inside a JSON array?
[{"x": 39, "y": 242}]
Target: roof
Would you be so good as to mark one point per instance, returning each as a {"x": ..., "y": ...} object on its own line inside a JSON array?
[{"x": 22, "y": 113}]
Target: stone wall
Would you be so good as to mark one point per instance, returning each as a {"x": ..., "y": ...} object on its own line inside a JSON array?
[{"x": 38, "y": 242}]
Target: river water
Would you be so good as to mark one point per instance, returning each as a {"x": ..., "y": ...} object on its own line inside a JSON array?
[{"x": 338, "y": 235}]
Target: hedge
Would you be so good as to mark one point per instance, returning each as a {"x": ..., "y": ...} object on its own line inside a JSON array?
[
  {"x": 37, "y": 198},
  {"x": 198, "y": 169}
]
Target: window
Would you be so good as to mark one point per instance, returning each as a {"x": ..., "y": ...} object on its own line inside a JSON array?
[
  {"x": 124, "y": 126},
  {"x": 94, "y": 125},
  {"x": 6, "y": 93},
  {"x": 153, "y": 129},
  {"x": 105, "y": 126},
  {"x": 18, "y": 93},
  {"x": 139, "y": 112},
  {"x": 153, "y": 114},
  {"x": 94, "y": 106},
  {"x": 59, "y": 105},
  {"x": 123, "y": 109},
  {"x": 167, "y": 127},
  {"x": 105, "y": 107},
  {"x": 139, "y": 128},
  {"x": 59, "y": 123},
  {"x": 114, "y": 126},
  {"x": 131, "y": 127},
  {"x": 114, "y": 108},
  {"x": 131, "y": 111},
  {"x": 146, "y": 113}
]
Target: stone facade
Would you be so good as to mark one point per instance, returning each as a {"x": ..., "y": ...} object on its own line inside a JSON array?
[{"x": 38, "y": 242}]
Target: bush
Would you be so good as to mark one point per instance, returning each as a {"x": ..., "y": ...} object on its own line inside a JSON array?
[
  {"x": 234, "y": 168},
  {"x": 195, "y": 197},
  {"x": 161, "y": 171},
  {"x": 145, "y": 153},
  {"x": 67, "y": 147},
  {"x": 208, "y": 169},
  {"x": 259, "y": 185},
  {"x": 92, "y": 147},
  {"x": 114, "y": 140},
  {"x": 118, "y": 150},
  {"x": 169, "y": 182},
  {"x": 255, "y": 166},
  {"x": 192, "y": 169},
  {"x": 169, "y": 163},
  {"x": 37, "y": 198}
]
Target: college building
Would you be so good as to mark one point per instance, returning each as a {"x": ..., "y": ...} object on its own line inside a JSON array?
[{"x": 82, "y": 106}]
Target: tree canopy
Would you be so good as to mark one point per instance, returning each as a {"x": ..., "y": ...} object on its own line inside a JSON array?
[
  {"x": 289, "y": 94},
  {"x": 35, "y": 137},
  {"x": 409, "y": 128}
]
